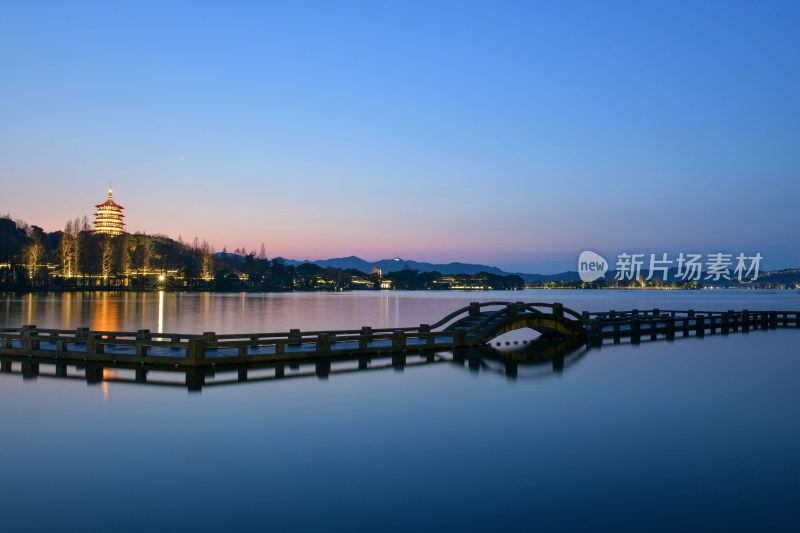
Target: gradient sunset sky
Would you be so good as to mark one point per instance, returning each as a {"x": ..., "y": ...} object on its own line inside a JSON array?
[{"x": 515, "y": 134}]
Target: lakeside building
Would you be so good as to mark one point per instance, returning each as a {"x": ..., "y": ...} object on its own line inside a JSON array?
[{"x": 108, "y": 218}]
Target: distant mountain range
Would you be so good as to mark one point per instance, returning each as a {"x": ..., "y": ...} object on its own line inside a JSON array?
[{"x": 393, "y": 265}]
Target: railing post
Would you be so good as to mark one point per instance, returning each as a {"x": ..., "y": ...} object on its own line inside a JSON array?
[
  {"x": 797, "y": 320},
  {"x": 726, "y": 323},
  {"x": 670, "y": 328},
  {"x": 773, "y": 320},
  {"x": 635, "y": 331},
  {"x": 366, "y": 337},
  {"x": 700, "y": 326},
  {"x": 93, "y": 345},
  {"x": 323, "y": 343},
  {"x": 294, "y": 334},
  {"x": 209, "y": 336},
  {"x": 195, "y": 351},
  {"x": 6, "y": 342},
  {"x": 460, "y": 337},
  {"x": 141, "y": 350},
  {"x": 143, "y": 335},
  {"x": 28, "y": 342},
  {"x": 745, "y": 320},
  {"x": 656, "y": 312},
  {"x": 511, "y": 312},
  {"x": 474, "y": 308},
  {"x": 558, "y": 310},
  {"x": 398, "y": 340}
]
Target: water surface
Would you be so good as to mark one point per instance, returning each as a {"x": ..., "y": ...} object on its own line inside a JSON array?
[{"x": 699, "y": 434}]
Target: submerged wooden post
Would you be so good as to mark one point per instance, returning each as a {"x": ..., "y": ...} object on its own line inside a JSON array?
[
  {"x": 773, "y": 320},
  {"x": 745, "y": 320}
]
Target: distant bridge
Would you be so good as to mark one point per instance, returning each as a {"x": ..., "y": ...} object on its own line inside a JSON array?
[{"x": 474, "y": 325}]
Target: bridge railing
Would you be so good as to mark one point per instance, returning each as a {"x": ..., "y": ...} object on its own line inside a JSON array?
[{"x": 476, "y": 307}]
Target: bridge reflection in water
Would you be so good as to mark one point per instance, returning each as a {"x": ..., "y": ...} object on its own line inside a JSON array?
[{"x": 537, "y": 359}]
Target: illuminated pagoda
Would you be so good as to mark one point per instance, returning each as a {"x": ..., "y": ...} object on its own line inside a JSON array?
[{"x": 108, "y": 219}]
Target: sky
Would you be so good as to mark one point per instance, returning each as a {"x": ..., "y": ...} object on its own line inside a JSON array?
[{"x": 514, "y": 134}]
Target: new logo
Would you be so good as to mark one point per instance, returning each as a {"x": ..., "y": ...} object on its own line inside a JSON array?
[{"x": 591, "y": 266}]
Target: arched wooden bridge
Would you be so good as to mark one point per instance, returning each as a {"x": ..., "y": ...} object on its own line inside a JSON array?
[
  {"x": 481, "y": 322},
  {"x": 473, "y": 325}
]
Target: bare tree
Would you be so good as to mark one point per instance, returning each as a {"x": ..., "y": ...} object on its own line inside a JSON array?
[
  {"x": 147, "y": 256},
  {"x": 127, "y": 260},
  {"x": 70, "y": 252},
  {"x": 207, "y": 271},
  {"x": 108, "y": 254},
  {"x": 34, "y": 256}
]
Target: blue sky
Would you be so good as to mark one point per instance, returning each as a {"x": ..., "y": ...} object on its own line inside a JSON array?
[{"x": 510, "y": 133}]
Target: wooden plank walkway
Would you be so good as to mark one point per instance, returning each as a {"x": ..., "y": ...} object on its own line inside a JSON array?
[{"x": 473, "y": 325}]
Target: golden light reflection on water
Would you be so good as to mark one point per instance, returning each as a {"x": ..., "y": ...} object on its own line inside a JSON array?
[
  {"x": 161, "y": 311},
  {"x": 106, "y": 313},
  {"x": 108, "y": 374},
  {"x": 66, "y": 310},
  {"x": 31, "y": 305}
]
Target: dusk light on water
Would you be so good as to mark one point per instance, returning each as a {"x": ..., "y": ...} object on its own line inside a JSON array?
[{"x": 399, "y": 266}]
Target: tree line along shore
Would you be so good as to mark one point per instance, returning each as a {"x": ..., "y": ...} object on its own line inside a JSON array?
[{"x": 77, "y": 258}]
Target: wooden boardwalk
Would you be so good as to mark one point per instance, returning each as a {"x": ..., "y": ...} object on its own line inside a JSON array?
[{"x": 473, "y": 325}]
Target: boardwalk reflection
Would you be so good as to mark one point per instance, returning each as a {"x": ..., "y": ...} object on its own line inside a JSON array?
[{"x": 536, "y": 359}]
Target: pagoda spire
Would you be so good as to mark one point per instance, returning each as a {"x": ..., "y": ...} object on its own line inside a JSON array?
[{"x": 108, "y": 218}]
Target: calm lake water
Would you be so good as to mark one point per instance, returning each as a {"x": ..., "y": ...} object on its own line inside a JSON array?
[{"x": 699, "y": 434}]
